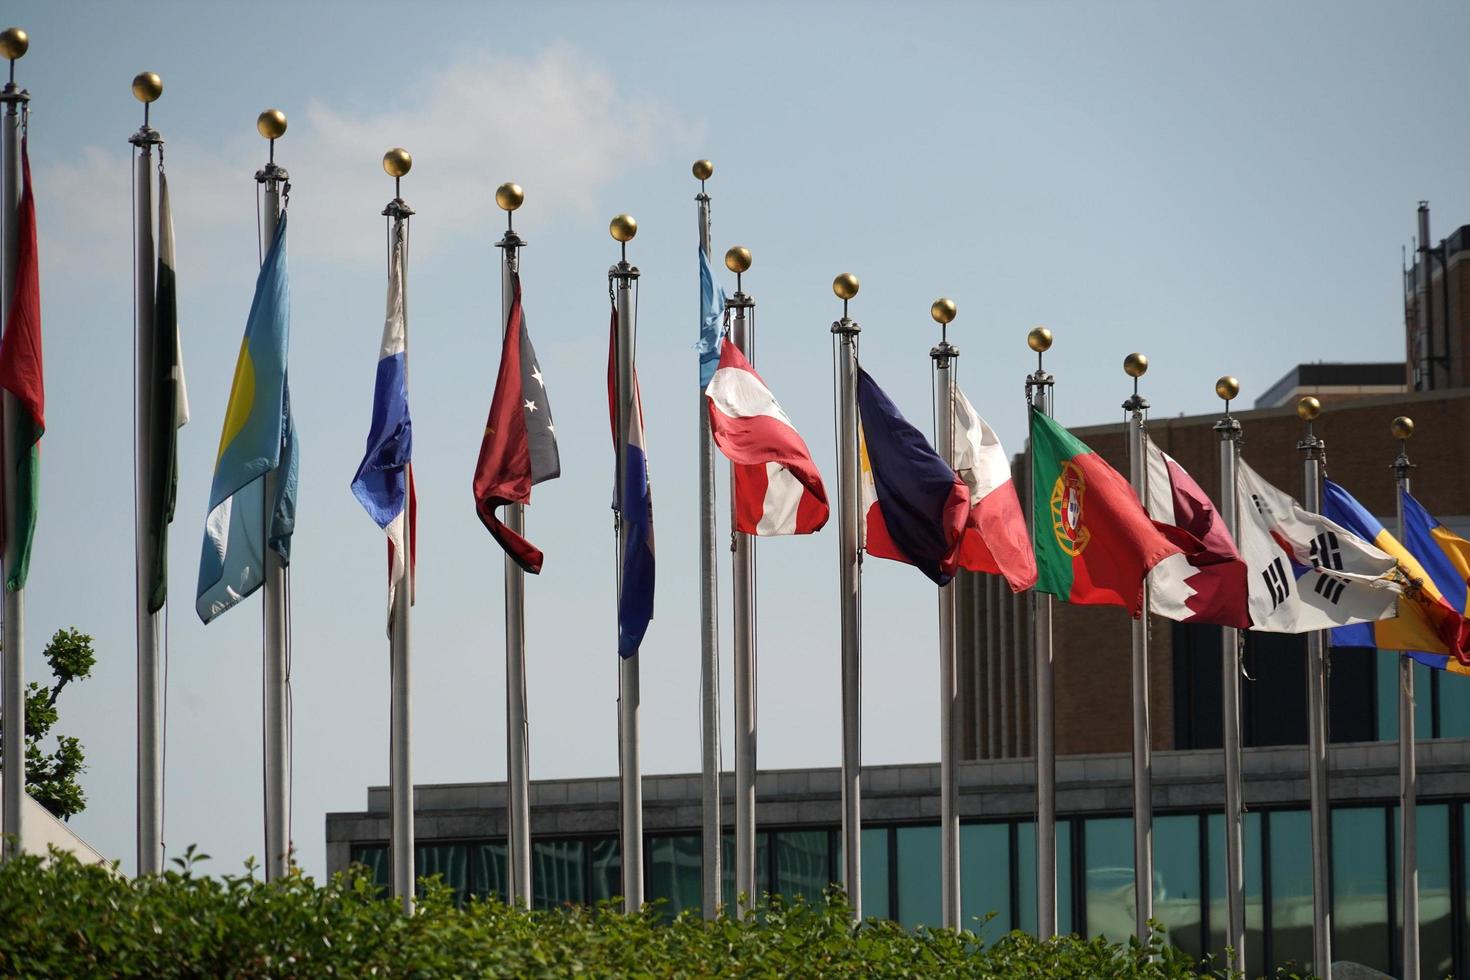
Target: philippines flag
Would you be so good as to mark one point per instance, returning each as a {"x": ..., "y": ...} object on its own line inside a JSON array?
[
  {"x": 996, "y": 539},
  {"x": 384, "y": 480},
  {"x": 777, "y": 488},
  {"x": 635, "y": 598}
]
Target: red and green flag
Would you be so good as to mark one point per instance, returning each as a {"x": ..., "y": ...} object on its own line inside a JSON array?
[{"x": 1094, "y": 542}]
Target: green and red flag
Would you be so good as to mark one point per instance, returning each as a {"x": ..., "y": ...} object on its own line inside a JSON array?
[
  {"x": 1094, "y": 542},
  {"x": 21, "y": 375}
]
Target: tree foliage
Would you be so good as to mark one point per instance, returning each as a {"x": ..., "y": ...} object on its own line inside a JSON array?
[{"x": 53, "y": 778}]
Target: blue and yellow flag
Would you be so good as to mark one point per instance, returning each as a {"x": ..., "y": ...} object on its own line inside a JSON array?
[
  {"x": 1446, "y": 557},
  {"x": 259, "y": 440}
]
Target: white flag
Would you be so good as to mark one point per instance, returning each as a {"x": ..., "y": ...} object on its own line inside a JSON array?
[{"x": 1305, "y": 572}]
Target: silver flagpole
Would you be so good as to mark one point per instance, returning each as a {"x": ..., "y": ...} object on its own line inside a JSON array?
[
  {"x": 742, "y": 547},
  {"x": 849, "y": 555},
  {"x": 1403, "y": 428},
  {"x": 709, "y": 630},
  {"x": 630, "y": 781},
  {"x": 147, "y": 87},
  {"x": 1228, "y": 388},
  {"x": 1313, "y": 454},
  {"x": 276, "y": 673},
  {"x": 943, "y": 311},
  {"x": 1039, "y": 395},
  {"x": 517, "y": 727},
  {"x": 1135, "y": 366},
  {"x": 13, "y": 45},
  {"x": 397, "y": 162}
]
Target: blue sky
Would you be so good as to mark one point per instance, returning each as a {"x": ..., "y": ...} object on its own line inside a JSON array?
[{"x": 1224, "y": 188}]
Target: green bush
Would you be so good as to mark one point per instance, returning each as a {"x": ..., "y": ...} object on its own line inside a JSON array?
[{"x": 60, "y": 918}]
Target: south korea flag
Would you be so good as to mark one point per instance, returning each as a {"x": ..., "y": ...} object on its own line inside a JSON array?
[{"x": 1306, "y": 572}]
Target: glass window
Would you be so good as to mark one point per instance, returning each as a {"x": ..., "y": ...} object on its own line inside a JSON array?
[
  {"x": 375, "y": 858},
  {"x": 1177, "y": 898},
  {"x": 918, "y": 876},
  {"x": 1108, "y": 850},
  {"x": 557, "y": 873},
  {"x": 802, "y": 864},
  {"x": 1386, "y": 694},
  {"x": 727, "y": 866},
  {"x": 492, "y": 870},
  {"x": 675, "y": 872},
  {"x": 607, "y": 869},
  {"x": 1435, "y": 909},
  {"x": 1290, "y": 881},
  {"x": 1255, "y": 948},
  {"x": 1359, "y": 887},
  {"x": 450, "y": 862},
  {"x": 1454, "y": 709},
  {"x": 985, "y": 878},
  {"x": 1026, "y": 879},
  {"x": 874, "y": 844}
]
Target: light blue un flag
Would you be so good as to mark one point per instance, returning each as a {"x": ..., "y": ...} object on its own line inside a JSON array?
[{"x": 711, "y": 306}]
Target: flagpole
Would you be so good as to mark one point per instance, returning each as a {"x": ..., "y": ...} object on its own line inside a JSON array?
[
  {"x": 1403, "y": 428},
  {"x": 1039, "y": 396},
  {"x": 851, "y": 583},
  {"x": 517, "y": 727},
  {"x": 276, "y": 592},
  {"x": 1313, "y": 454},
  {"x": 397, "y": 162},
  {"x": 1228, "y": 388},
  {"x": 709, "y": 632},
  {"x": 147, "y": 87},
  {"x": 1135, "y": 366},
  {"x": 943, "y": 312},
  {"x": 630, "y": 794},
  {"x": 13, "y": 45}
]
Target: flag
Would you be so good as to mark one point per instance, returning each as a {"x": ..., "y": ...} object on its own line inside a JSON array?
[
  {"x": 384, "y": 480},
  {"x": 1446, "y": 557},
  {"x": 995, "y": 538},
  {"x": 1306, "y": 572},
  {"x": 21, "y": 374},
  {"x": 258, "y": 439},
  {"x": 168, "y": 406},
  {"x": 914, "y": 504},
  {"x": 518, "y": 449},
  {"x": 777, "y": 488},
  {"x": 711, "y": 305},
  {"x": 635, "y": 599},
  {"x": 1426, "y": 622},
  {"x": 1207, "y": 582},
  {"x": 1094, "y": 542}
]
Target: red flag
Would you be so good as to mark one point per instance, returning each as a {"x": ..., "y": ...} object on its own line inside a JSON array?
[{"x": 519, "y": 446}]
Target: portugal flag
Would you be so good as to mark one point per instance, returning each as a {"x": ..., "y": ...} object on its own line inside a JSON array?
[
  {"x": 1094, "y": 542},
  {"x": 21, "y": 376}
]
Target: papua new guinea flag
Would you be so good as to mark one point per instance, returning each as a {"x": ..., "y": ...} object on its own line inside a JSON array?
[{"x": 1094, "y": 542}]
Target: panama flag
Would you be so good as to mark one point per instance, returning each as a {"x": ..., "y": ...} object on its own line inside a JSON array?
[
  {"x": 777, "y": 487},
  {"x": 21, "y": 374},
  {"x": 915, "y": 505},
  {"x": 259, "y": 438},
  {"x": 995, "y": 538},
  {"x": 1307, "y": 572},
  {"x": 384, "y": 480},
  {"x": 1207, "y": 583},
  {"x": 635, "y": 601}
]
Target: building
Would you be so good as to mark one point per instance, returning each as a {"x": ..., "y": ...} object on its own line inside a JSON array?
[{"x": 1437, "y": 310}]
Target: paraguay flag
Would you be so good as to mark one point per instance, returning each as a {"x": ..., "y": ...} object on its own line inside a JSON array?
[
  {"x": 635, "y": 596},
  {"x": 259, "y": 439},
  {"x": 384, "y": 480},
  {"x": 916, "y": 506}
]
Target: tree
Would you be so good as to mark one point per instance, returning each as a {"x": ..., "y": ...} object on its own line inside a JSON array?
[{"x": 51, "y": 777}]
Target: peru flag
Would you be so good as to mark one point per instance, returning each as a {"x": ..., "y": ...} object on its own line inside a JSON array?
[
  {"x": 777, "y": 488},
  {"x": 1207, "y": 583},
  {"x": 995, "y": 538}
]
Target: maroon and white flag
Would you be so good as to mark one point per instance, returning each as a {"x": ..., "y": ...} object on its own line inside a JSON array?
[
  {"x": 1207, "y": 583},
  {"x": 777, "y": 487}
]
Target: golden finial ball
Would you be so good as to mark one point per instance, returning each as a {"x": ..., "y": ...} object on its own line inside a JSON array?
[
  {"x": 703, "y": 170},
  {"x": 1135, "y": 365},
  {"x": 147, "y": 86},
  {"x": 13, "y": 43},
  {"x": 509, "y": 196},
  {"x": 1308, "y": 409},
  {"x": 1402, "y": 427},
  {"x": 1228, "y": 387},
  {"x": 1039, "y": 340},
  {"x": 846, "y": 286},
  {"x": 397, "y": 162},
  {"x": 943, "y": 310},
  {"x": 623, "y": 228},
  {"x": 737, "y": 260},
  {"x": 271, "y": 124}
]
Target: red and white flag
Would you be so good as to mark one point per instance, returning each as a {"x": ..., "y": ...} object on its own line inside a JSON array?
[
  {"x": 777, "y": 487},
  {"x": 995, "y": 538}
]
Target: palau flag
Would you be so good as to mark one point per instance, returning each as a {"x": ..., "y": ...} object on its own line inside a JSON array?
[
  {"x": 259, "y": 439},
  {"x": 1435, "y": 566},
  {"x": 635, "y": 601}
]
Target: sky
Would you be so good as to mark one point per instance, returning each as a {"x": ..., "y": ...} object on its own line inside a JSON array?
[{"x": 1225, "y": 188}]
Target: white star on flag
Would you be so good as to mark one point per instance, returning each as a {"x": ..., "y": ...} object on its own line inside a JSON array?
[
  {"x": 537, "y": 375},
  {"x": 530, "y": 406}
]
